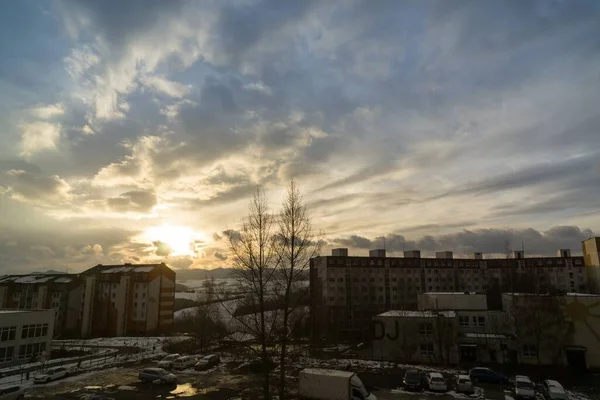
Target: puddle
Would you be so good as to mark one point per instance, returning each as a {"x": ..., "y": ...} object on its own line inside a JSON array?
[
  {"x": 185, "y": 390},
  {"x": 93, "y": 387}
]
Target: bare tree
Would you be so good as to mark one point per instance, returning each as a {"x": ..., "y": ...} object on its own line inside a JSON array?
[
  {"x": 296, "y": 244},
  {"x": 255, "y": 261}
]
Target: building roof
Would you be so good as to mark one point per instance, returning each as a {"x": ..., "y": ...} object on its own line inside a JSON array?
[
  {"x": 37, "y": 278},
  {"x": 418, "y": 314},
  {"x": 484, "y": 335},
  {"x": 124, "y": 268}
]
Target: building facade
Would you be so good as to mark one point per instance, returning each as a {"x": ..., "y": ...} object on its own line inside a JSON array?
[
  {"x": 347, "y": 291},
  {"x": 60, "y": 292},
  {"x": 448, "y": 328},
  {"x": 536, "y": 329},
  {"x": 106, "y": 300},
  {"x": 127, "y": 299},
  {"x": 25, "y": 335},
  {"x": 591, "y": 256}
]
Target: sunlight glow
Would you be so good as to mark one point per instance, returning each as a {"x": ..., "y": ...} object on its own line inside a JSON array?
[{"x": 179, "y": 238}]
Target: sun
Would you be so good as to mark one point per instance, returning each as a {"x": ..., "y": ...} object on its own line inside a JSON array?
[{"x": 180, "y": 239}]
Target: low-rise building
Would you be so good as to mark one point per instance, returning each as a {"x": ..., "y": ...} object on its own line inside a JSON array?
[
  {"x": 539, "y": 329},
  {"x": 25, "y": 335}
]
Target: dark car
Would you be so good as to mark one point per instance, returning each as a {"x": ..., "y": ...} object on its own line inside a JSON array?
[
  {"x": 486, "y": 375},
  {"x": 412, "y": 380}
]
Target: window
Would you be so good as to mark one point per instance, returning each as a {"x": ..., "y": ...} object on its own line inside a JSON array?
[
  {"x": 136, "y": 296},
  {"x": 135, "y": 304},
  {"x": 114, "y": 295},
  {"x": 463, "y": 321},
  {"x": 426, "y": 349},
  {"x": 31, "y": 350},
  {"x": 8, "y": 333},
  {"x": 332, "y": 299},
  {"x": 425, "y": 328},
  {"x": 143, "y": 295},
  {"x": 6, "y": 353},
  {"x": 479, "y": 321},
  {"x": 331, "y": 280},
  {"x": 529, "y": 351}
]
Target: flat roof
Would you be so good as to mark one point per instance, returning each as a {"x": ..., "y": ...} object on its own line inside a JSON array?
[{"x": 418, "y": 314}]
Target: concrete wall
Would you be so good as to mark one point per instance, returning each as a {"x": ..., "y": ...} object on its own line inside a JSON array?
[
  {"x": 19, "y": 319},
  {"x": 452, "y": 301},
  {"x": 401, "y": 339},
  {"x": 153, "y": 304}
]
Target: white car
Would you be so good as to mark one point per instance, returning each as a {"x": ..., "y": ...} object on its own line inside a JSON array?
[
  {"x": 51, "y": 375},
  {"x": 184, "y": 362},
  {"x": 436, "y": 382},
  {"x": 553, "y": 390},
  {"x": 13, "y": 392},
  {"x": 464, "y": 384},
  {"x": 524, "y": 388},
  {"x": 168, "y": 361}
]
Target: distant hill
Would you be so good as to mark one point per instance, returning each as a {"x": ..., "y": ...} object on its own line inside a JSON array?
[{"x": 217, "y": 273}]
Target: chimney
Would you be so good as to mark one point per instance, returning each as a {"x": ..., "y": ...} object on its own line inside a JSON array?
[
  {"x": 377, "y": 253},
  {"x": 443, "y": 254},
  {"x": 519, "y": 254},
  {"x": 478, "y": 255},
  {"x": 564, "y": 253},
  {"x": 412, "y": 254},
  {"x": 341, "y": 252}
]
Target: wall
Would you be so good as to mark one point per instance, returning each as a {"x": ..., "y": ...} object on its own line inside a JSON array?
[
  {"x": 153, "y": 304},
  {"x": 167, "y": 301},
  {"x": 452, "y": 301},
  {"x": 26, "y": 318},
  {"x": 401, "y": 339}
]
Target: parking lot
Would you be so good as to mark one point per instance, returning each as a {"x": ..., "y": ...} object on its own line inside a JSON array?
[{"x": 230, "y": 381}]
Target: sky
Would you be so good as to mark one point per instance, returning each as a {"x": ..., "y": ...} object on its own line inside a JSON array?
[{"x": 137, "y": 131}]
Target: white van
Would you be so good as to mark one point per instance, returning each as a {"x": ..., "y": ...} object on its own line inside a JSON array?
[{"x": 184, "y": 362}]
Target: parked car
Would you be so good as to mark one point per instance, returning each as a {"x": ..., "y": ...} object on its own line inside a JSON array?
[
  {"x": 486, "y": 375},
  {"x": 553, "y": 390},
  {"x": 13, "y": 392},
  {"x": 412, "y": 380},
  {"x": 184, "y": 362},
  {"x": 207, "y": 362},
  {"x": 168, "y": 361},
  {"x": 159, "y": 375},
  {"x": 436, "y": 382},
  {"x": 524, "y": 388},
  {"x": 464, "y": 384},
  {"x": 51, "y": 375}
]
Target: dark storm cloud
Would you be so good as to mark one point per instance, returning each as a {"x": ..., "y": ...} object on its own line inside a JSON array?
[{"x": 491, "y": 241}]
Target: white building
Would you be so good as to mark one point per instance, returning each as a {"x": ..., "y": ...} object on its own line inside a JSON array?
[{"x": 24, "y": 335}]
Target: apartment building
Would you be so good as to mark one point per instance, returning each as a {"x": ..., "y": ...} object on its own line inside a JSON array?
[
  {"x": 591, "y": 256},
  {"x": 25, "y": 335},
  {"x": 60, "y": 292},
  {"x": 347, "y": 291},
  {"x": 127, "y": 299}
]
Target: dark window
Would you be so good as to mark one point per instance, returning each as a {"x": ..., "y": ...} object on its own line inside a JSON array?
[
  {"x": 426, "y": 328},
  {"x": 427, "y": 349}
]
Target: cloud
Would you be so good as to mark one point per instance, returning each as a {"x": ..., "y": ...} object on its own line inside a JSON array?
[
  {"x": 162, "y": 249},
  {"x": 48, "y": 111},
  {"x": 36, "y": 188},
  {"x": 133, "y": 201},
  {"x": 165, "y": 86},
  {"x": 489, "y": 241},
  {"x": 39, "y": 136}
]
